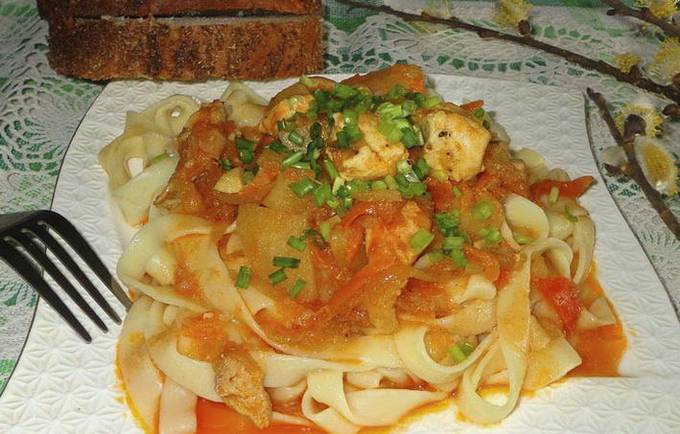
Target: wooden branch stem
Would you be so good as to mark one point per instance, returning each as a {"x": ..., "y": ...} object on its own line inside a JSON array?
[
  {"x": 633, "y": 126},
  {"x": 633, "y": 76},
  {"x": 644, "y": 14}
]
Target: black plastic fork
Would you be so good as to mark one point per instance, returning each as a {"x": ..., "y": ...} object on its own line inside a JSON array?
[{"x": 23, "y": 239}]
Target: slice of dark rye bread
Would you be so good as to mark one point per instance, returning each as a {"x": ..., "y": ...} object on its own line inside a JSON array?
[
  {"x": 144, "y": 8},
  {"x": 189, "y": 49}
]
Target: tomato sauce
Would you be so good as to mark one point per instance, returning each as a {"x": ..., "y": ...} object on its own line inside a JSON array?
[{"x": 217, "y": 418}]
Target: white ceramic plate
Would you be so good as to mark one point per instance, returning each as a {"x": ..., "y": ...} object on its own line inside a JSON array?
[{"x": 62, "y": 385}]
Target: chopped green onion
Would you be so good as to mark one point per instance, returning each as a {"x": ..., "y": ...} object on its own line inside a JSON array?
[
  {"x": 333, "y": 202},
  {"x": 403, "y": 166},
  {"x": 285, "y": 125},
  {"x": 243, "y": 277},
  {"x": 344, "y": 91},
  {"x": 418, "y": 98},
  {"x": 397, "y": 91},
  {"x": 421, "y": 168},
  {"x": 306, "y": 81},
  {"x": 388, "y": 110},
  {"x": 458, "y": 258},
  {"x": 553, "y": 195},
  {"x": 278, "y": 276},
  {"x": 433, "y": 257},
  {"x": 325, "y": 230},
  {"x": 457, "y": 354},
  {"x": 337, "y": 183},
  {"x": 342, "y": 139},
  {"x": 330, "y": 169},
  {"x": 350, "y": 116},
  {"x": 409, "y": 138},
  {"x": 378, "y": 185},
  {"x": 294, "y": 290},
  {"x": 420, "y": 240},
  {"x": 439, "y": 175},
  {"x": 278, "y": 147},
  {"x": 448, "y": 221},
  {"x": 322, "y": 193},
  {"x": 409, "y": 107},
  {"x": 304, "y": 165},
  {"x": 357, "y": 186},
  {"x": 302, "y": 187},
  {"x": 296, "y": 243},
  {"x": 285, "y": 262},
  {"x": 453, "y": 243},
  {"x": 292, "y": 159},
  {"x": 457, "y": 192},
  {"x": 353, "y": 132},
  {"x": 413, "y": 189},
  {"x": 491, "y": 235},
  {"x": 390, "y": 130},
  {"x": 224, "y": 162},
  {"x": 467, "y": 348},
  {"x": 321, "y": 96},
  {"x": 431, "y": 102},
  {"x": 295, "y": 138},
  {"x": 482, "y": 210},
  {"x": 523, "y": 239},
  {"x": 315, "y": 131},
  {"x": 246, "y": 150},
  {"x": 347, "y": 202},
  {"x": 160, "y": 157},
  {"x": 478, "y": 113},
  {"x": 391, "y": 182}
]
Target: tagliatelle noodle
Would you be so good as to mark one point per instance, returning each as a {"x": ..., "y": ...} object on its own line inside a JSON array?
[
  {"x": 177, "y": 413},
  {"x": 513, "y": 316},
  {"x": 143, "y": 380}
]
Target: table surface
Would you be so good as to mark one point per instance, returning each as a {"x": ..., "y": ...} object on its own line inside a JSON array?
[{"x": 40, "y": 110}]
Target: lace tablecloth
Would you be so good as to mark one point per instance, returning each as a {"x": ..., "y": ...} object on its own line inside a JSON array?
[{"x": 40, "y": 110}]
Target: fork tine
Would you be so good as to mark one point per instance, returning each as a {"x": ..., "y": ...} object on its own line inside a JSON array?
[
  {"x": 69, "y": 233},
  {"x": 58, "y": 276},
  {"x": 23, "y": 267},
  {"x": 65, "y": 258}
]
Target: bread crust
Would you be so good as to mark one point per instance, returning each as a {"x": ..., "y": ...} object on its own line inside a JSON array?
[
  {"x": 186, "y": 49},
  {"x": 144, "y": 8}
]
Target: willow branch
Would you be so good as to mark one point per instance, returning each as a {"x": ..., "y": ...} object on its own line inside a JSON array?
[
  {"x": 633, "y": 76},
  {"x": 644, "y": 14},
  {"x": 633, "y": 126}
]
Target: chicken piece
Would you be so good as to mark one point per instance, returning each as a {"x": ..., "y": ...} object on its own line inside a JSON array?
[
  {"x": 411, "y": 219},
  {"x": 454, "y": 142},
  {"x": 239, "y": 382},
  {"x": 284, "y": 110},
  {"x": 377, "y": 157}
]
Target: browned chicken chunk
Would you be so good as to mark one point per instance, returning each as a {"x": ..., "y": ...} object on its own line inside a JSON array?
[{"x": 239, "y": 382}]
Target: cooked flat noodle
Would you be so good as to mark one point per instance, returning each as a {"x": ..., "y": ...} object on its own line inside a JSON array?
[
  {"x": 508, "y": 236},
  {"x": 145, "y": 246},
  {"x": 410, "y": 343},
  {"x": 474, "y": 317},
  {"x": 513, "y": 315},
  {"x": 166, "y": 117},
  {"x": 372, "y": 407},
  {"x": 550, "y": 364},
  {"x": 194, "y": 375},
  {"x": 114, "y": 157},
  {"x": 584, "y": 245},
  {"x": 597, "y": 315},
  {"x": 478, "y": 288},
  {"x": 134, "y": 198},
  {"x": 143, "y": 381},
  {"x": 560, "y": 225},
  {"x": 525, "y": 216},
  {"x": 177, "y": 411},
  {"x": 372, "y": 379},
  {"x": 286, "y": 394},
  {"x": 561, "y": 256},
  {"x": 244, "y": 106}
]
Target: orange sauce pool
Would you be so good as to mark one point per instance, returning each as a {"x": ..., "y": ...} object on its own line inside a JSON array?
[{"x": 601, "y": 349}]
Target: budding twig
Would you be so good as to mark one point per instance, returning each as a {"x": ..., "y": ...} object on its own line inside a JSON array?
[
  {"x": 633, "y": 76},
  {"x": 644, "y": 14}
]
